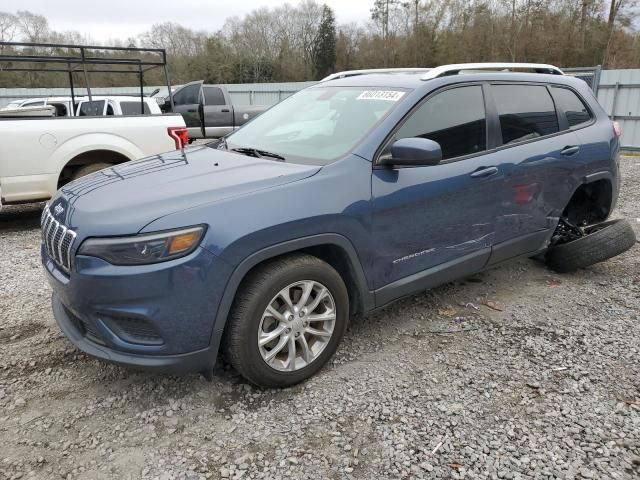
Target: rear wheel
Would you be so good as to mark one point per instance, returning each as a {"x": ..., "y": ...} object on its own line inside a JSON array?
[
  {"x": 287, "y": 321},
  {"x": 593, "y": 244},
  {"x": 88, "y": 169}
]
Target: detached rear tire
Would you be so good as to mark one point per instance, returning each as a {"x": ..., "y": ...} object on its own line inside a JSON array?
[
  {"x": 604, "y": 241},
  {"x": 286, "y": 321}
]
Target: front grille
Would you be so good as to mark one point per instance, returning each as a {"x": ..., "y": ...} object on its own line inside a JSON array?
[{"x": 57, "y": 240}]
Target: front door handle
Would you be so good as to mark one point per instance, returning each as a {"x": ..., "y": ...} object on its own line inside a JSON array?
[
  {"x": 484, "y": 172},
  {"x": 225, "y": 110},
  {"x": 570, "y": 150},
  {"x": 192, "y": 110}
]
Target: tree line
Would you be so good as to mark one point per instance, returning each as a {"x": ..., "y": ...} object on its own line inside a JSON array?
[{"x": 304, "y": 42}]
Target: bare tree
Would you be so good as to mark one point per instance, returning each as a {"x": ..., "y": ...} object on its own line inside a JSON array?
[{"x": 8, "y": 27}]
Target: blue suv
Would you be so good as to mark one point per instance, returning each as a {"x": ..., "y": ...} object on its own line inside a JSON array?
[{"x": 350, "y": 194}]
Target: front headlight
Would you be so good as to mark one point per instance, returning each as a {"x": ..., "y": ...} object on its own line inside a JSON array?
[{"x": 144, "y": 249}]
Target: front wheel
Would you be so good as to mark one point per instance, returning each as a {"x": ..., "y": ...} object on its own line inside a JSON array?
[{"x": 286, "y": 321}]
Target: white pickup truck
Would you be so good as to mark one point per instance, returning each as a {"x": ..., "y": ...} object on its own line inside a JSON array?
[{"x": 39, "y": 155}]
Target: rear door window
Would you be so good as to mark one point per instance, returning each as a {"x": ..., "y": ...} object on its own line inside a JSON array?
[
  {"x": 133, "y": 108},
  {"x": 213, "y": 96},
  {"x": 526, "y": 112},
  {"x": 454, "y": 118},
  {"x": 569, "y": 104},
  {"x": 92, "y": 109}
]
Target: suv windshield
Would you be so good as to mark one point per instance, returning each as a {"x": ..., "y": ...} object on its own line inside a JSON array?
[{"x": 317, "y": 125}]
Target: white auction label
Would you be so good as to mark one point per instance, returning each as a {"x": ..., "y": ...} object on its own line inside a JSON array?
[{"x": 389, "y": 95}]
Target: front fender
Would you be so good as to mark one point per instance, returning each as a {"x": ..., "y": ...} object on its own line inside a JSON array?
[{"x": 365, "y": 295}]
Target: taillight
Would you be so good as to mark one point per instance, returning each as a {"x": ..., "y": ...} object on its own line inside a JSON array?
[
  {"x": 617, "y": 129},
  {"x": 179, "y": 135}
]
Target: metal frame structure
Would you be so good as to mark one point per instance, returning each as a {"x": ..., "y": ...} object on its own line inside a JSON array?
[{"x": 83, "y": 59}]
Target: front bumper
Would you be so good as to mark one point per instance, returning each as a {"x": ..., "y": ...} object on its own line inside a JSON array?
[
  {"x": 181, "y": 363},
  {"x": 157, "y": 316}
]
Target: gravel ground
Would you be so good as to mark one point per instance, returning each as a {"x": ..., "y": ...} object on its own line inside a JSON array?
[{"x": 514, "y": 373}]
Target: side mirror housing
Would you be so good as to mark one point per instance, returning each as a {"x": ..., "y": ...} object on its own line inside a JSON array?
[{"x": 414, "y": 152}]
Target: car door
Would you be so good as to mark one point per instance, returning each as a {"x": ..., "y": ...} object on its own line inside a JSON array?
[
  {"x": 534, "y": 156},
  {"x": 436, "y": 222},
  {"x": 187, "y": 102},
  {"x": 218, "y": 113}
]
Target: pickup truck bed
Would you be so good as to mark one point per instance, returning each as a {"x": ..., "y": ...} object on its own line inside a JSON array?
[{"x": 38, "y": 155}]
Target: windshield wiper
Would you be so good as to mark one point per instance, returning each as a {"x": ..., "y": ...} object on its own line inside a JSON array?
[{"x": 254, "y": 152}]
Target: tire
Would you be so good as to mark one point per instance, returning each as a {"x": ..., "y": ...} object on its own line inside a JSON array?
[
  {"x": 88, "y": 169},
  {"x": 248, "y": 319},
  {"x": 605, "y": 240}
]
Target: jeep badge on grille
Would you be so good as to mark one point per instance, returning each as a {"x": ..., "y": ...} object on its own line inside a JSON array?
[{"x": 58, "y": 209}]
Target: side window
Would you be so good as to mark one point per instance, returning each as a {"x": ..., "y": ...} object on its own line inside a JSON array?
[
  {"x": 569, "y": 103},
  {"x": 213, "y": 96},
  {"x": 61, "y": 109},
  {"x": 91, "y": 109},
  {"x": 133, "y": 108},
  {"x": 454, "y": 118},
  {"x": 525, "y": 111},
  {"x": 187, "y": 95}
]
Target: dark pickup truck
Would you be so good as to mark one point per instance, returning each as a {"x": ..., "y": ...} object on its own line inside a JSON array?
[{"x": 208, "y": 110}]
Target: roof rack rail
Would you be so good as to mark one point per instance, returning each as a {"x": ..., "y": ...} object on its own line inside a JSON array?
[
  {"x": 353, "y": 73},
  {"x": 455, "y": 69}
]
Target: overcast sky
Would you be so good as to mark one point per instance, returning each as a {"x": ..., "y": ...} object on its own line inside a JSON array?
[{"x": 103, "y": 20}]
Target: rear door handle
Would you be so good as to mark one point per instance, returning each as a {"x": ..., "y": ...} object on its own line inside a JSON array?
[
  {"x": 225, "y": 110},
  {"x": 570, "y": 150},
  {"x": 484, "y": 172},
  {"x": 192, "y": 110}
]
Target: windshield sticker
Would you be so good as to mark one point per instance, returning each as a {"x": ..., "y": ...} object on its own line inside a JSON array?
[{"x": 389, "y": 95}]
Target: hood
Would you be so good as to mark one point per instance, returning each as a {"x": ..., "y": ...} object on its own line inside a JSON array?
[{"x": 123, "y": 199}]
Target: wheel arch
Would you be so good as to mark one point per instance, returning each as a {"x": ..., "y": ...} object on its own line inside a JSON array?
[
  {"x": 592, "y": 200},
  {"x": 334, "y": 249},
  {"x": 89, "y": 157}
]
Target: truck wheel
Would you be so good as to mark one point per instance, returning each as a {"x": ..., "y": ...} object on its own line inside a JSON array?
[
  {"x": 87, "y": 169},
  {"x": 602, "y": 241},
  {"x": 286, "y": 321}
]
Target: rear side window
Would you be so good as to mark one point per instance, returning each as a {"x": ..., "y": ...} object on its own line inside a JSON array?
[
  {"x": 133, "y": 108},
  {"x": 454, "y": 118},
  {"x": 92, "y": 109},
  {"x": 213, "y": 96},
  {"x": 526, "y": 112},
  {"x": 574, "y": 109}
]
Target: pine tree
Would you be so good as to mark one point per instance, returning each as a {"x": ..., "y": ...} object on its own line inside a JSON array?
[{"x": 324, "y": 58}]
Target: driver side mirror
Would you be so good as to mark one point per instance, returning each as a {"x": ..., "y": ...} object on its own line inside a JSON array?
[{"x": 413, "y": 152}]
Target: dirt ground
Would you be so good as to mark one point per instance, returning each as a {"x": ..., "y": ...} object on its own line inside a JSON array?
[{"x": 515, "y": 373}]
